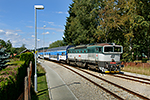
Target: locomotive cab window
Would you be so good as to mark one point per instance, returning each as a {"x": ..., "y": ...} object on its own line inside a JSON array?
[
  {"x": 108, "y": 49},
  {"x": 98, "y": 49}
]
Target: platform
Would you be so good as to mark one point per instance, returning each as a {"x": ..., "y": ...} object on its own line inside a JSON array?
[{"x": 58, "y": 90}]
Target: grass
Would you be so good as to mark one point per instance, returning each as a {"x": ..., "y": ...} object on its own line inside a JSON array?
[
  {"x": 41, "y": 85},
  {"x": 15, "y": 61},
  {"x": 138, "y": 70},
  {"x": 11, "y": 69}
]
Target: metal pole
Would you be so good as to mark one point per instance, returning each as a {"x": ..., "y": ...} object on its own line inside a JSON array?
[
  {"x": 43, "y": 43},
  {"x": 43, "y": 40},
  {"x": 35, "y": 76}
]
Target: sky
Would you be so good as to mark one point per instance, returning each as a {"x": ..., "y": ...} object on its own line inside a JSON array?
[{"x": 17, "y": 21}]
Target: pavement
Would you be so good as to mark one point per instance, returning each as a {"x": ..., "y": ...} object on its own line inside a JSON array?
[{"x": 58, "y": 90}]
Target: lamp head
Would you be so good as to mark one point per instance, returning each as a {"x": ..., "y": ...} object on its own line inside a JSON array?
[{"x": 38, "y": 6}]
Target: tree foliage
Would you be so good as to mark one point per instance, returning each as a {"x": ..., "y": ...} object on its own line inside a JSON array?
[
  {"x": 124, "y": 22},
  {"x": 10, "y": 49},
  {"x": 57, "y": 43}
]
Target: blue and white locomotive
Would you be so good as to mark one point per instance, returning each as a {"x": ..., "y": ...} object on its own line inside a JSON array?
[{"x": 104, "y": 57}]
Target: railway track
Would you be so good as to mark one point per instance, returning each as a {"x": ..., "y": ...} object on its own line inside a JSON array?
[
  {"x": 133, "y": 78},
  {"x": 100, "y": 86},
  {"x": 108, "y": 91},
  {"x": 109, "y": 82}
]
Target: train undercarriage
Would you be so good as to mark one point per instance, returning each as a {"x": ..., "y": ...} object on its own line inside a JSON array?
[{"x": 104, "y": 67}]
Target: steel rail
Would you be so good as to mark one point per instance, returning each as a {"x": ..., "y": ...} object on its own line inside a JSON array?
[
  {"x": 115, "y": 95},
  {"x": 132, "y": 79},
  {"x": 132, "y": 92},
  {"x": 136, "y": 77}
]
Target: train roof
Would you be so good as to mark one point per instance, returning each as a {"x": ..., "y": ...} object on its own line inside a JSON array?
[
  {"x": 59, "y": 48},
  {"x": 91, "y": 45}
]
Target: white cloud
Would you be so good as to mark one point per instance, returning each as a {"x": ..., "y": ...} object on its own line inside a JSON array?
[
  {"x": 2, "y": 32},
  {"x": 46, "y": 33},
  {"x": 60, "y": 12},
  {"x": 32, "y": 36},
  {"x": 29, "y": 26},
  {"x": 38, "y": 40},
  {"x": 16, "y": 39},
  {"x": 52, "y": 23},
  {"x": 53, "y": 33},
  {"x": 50, "y": 42},
  {"x": 9, "y": 33},
  {"x": 55, "y": 29}
]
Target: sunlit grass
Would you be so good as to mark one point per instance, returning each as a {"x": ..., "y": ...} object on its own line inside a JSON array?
[
  {"x": 138, "y": 70},
  {"x": 42, "y": 84}
]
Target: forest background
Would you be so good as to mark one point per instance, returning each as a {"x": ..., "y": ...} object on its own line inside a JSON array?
[{"x": 123, "y": 22}]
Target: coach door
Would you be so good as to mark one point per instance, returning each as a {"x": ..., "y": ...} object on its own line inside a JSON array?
[
  {"x": 57, "y": 56},
  {"x": 49, "y": 56}
]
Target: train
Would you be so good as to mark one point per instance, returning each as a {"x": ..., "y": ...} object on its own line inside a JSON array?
[{"x": 104, "y": 57}]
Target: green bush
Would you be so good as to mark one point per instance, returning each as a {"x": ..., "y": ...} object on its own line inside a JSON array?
[
  {"x": 27, "y": 57},
  {"x": 144, "y": 60},
  {"x": 12, "y": 86}
]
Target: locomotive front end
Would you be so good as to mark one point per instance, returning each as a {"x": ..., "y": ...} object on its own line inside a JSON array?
[{"x": 109, "y": 60}]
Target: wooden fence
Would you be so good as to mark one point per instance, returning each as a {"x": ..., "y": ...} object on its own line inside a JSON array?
[{"x": 26, "y": 95}]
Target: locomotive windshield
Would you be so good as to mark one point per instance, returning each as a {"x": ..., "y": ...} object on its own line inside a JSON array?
[
  {"x": 108, "y": 49},
  {"x": 112, "y": 49}
]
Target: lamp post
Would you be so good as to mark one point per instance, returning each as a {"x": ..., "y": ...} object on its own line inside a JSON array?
[
  {"x": 35, "y": 76},
  {"x": 43, "y": 40}
]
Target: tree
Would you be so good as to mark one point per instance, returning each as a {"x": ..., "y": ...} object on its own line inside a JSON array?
[
  {"x": 57, "y": 43},
  {"x": 3, "y": 43},
  {"x": 124, "y": 22},
  {"x": 8, "y": 46},
  {"x": 82, "y": 23}
]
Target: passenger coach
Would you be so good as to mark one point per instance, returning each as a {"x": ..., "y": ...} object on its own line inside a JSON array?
[{"x": 59, "y": 53}]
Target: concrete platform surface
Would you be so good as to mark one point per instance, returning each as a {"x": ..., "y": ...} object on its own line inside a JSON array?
[{"x": 58, "y": 90}]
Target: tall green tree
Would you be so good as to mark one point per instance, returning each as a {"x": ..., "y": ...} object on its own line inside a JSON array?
[
  {"x": 82, "y": 23},
  {"x": 124, "y": 22}
]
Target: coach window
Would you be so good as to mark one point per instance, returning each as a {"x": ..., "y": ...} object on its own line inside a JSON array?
[{"x": 97, "y": 49}]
